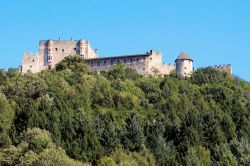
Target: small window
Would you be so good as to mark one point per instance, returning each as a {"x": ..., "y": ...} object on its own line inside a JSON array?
[
  {"x": 150, "y": 58},
  {"x": 131, "y": 60},
  {"x": 30, "y": 66},
  {"x": 185, "y": 73},
  {"x": 143, "y": 68},
  {"x": 49, "y": 50},
  {"x": 56, "y": 49},
  {"x": 143, "y": 58},
  {"x": 137, "y": 59},
  {"x": 75, "y": 49},
  {"x": 185, "y": 67},
  {"x": 62, "y": 50},
  {"x": 104, "y": 62}
]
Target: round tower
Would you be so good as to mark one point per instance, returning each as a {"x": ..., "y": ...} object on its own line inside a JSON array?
[
  {"x": 82, "y": 48},
  {"x": 50, "y": 55},
  {"x": 184, "y": 65}
]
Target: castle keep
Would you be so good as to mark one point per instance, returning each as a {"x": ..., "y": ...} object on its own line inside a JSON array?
[
  {"x": 53, "y": 51},
  {"x": 150, "y": 63}
]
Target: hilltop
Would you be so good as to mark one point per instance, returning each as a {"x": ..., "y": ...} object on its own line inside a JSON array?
[{"x": 72, "y": 116}]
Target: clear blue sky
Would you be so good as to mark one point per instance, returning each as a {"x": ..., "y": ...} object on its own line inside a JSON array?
[{"x": 210, "y": 31}]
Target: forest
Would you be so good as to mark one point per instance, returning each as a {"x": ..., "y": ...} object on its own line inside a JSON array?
[{"x": 70, "y": 116}]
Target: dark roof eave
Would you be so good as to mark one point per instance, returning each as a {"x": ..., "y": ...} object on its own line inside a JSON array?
[
  {"x": 184, "y": 59},
  {"x": 118, "y": 57}
]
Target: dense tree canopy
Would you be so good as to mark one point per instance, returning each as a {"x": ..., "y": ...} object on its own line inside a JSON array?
[{"x": 71, "y": 116}]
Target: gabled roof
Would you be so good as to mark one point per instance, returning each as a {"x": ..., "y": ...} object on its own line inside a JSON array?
[{"x": 183, "y": 56}]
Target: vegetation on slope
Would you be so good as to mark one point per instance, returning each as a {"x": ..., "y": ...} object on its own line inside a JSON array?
[{"x": 70, "y": 116}]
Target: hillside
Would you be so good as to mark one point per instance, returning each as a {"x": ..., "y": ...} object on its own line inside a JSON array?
[{"x": 70, "y": 116}]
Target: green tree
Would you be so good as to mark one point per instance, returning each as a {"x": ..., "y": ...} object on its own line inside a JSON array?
[
  {"x": 164, "y": 152},
  {"x": 6, "y": 120},
  {"x": 36, "y": 148},
  {"x": 74, "y": 63},
  {"x": 133, "y": 136},
  {"x": 198, "y": 156}
]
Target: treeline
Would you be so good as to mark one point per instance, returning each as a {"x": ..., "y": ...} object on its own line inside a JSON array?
[{"x": 71, "y": 116}]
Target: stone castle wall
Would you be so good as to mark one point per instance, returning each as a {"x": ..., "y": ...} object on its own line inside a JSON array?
[
  {"x": 53, "y": 51},
  {"x": 31, "y": 61},
  {"x": 226, "y": 68},
  {"x": 145, "y": 64},
  {"x": 184, "y": 68}
]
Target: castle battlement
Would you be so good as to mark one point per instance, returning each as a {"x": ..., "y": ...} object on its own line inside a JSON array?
[
  {"x": 28, "y": 54},
  {"x": 52, "y": 52},
  {"x": 225, "y": 67}
]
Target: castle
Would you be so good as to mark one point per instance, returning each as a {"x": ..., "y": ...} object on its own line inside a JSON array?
[{"x": 150, "y": 63}]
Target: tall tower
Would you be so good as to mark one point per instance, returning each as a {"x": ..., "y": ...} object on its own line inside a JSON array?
[
  {"x": 184, "y": 65},
  {"x": 83, "y": 48},
  {"x": 49, "y": 52}
]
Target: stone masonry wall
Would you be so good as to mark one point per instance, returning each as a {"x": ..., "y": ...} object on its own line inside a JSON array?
[
  {"x": 148, "y": 64},
  {"x": 53, "y": 51}
]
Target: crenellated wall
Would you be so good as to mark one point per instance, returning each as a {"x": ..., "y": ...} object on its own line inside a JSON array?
[
  {"x": 227, "y": 68},
  {"x": 31, "y": 62},
  {"x": 53, "y": 51}
]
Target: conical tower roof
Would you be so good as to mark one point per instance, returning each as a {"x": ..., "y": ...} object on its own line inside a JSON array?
[{"x": 183, "y": 56}]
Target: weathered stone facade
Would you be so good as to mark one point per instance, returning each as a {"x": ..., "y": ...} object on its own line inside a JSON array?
[
  {"x": 149, "y": 63},
  {"x": 184, "y": 65},
  {"x": 227, "y": 68},
  {"x": 53, "y": 51}
]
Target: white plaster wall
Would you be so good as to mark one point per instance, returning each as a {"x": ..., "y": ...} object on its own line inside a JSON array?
[{"x": 184, "y": 68}]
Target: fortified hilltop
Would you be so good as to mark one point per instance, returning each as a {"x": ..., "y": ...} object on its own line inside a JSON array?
[{"x": 150, "y": 63}]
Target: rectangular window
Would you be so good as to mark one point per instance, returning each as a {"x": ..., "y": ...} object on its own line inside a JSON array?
[
  {"x": 56, "y": 49},
  {"x": 62, "y": 50}
]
